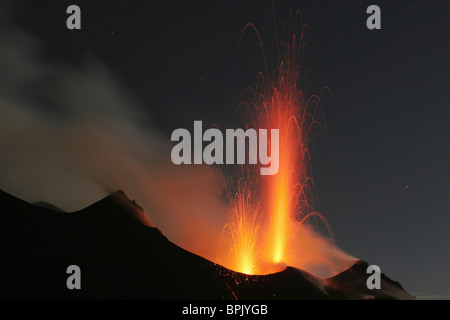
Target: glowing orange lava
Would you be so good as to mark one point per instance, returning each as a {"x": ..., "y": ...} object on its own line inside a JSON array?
[{"x": 267, "y": 212}]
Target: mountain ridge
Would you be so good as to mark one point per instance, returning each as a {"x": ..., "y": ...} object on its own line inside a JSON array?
[{"x": 123, "y": 256}]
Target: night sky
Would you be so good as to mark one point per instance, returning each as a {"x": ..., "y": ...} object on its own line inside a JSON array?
[{"x": 383, "y": 176}]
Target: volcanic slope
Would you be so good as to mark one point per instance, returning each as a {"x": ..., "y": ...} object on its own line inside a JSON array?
[{"x": 123, "y": 256}]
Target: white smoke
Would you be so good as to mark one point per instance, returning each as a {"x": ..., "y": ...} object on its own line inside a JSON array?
[{"x": 70, "y": 136}]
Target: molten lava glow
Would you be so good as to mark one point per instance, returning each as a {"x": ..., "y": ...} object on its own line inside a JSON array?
[
  {"x": 269, "y": 214},
  {"x": 280, "y": 221},
  {"x": 243, "y": 229},
  {"x": 282, "y": 104}
]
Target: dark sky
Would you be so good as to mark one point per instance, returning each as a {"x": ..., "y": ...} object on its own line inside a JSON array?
[{"x": 385, "y": 186}]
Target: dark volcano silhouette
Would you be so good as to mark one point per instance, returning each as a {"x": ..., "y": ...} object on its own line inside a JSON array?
[{"x": 122, "y": 257}]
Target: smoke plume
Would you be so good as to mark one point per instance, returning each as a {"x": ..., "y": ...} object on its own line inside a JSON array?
[{"x": 72, "y": 135}]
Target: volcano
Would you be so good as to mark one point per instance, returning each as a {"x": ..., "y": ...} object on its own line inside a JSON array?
[{"x": 122, "y": 256}]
